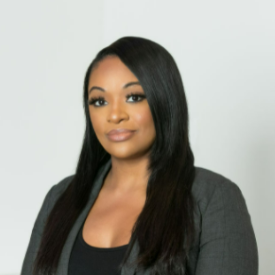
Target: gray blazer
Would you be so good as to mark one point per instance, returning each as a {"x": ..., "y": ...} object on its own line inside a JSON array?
[{"x": 225, "y": 242}]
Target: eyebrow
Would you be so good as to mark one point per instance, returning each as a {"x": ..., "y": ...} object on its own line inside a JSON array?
[{"x": 124, "y": 87}]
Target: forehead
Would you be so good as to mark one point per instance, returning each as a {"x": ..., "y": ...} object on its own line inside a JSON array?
[{"x": 111, "y": 70}]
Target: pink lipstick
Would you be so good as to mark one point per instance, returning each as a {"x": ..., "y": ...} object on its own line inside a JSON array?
[{"x": 120, "y": 134}]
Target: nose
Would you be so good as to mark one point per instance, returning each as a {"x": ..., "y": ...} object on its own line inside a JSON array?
[{"x": 117, "y": 113}]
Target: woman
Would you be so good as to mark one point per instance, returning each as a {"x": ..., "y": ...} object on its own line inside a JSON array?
[{"x": 136, "y": 203}]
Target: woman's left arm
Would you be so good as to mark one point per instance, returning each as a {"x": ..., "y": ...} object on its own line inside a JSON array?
[{"x": 227, "y": 242}]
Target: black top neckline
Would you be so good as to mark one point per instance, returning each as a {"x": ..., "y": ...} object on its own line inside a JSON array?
[{"x": 99, "y": 249}]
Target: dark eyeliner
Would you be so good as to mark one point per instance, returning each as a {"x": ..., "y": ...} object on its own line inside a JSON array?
[
  {"x": 136, "y": 94},
  {"x": 93, "y": 100}
]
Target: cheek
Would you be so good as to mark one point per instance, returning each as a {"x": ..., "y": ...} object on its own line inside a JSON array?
[
  {"x": 97, "y": 123},
  {"x": 145, "y": 122}
]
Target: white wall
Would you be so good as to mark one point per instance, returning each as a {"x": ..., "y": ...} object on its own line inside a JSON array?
[{"x": 225, "y": 52}]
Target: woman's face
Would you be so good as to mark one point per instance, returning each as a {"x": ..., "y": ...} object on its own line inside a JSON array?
[{"x": 112, "y": 107}]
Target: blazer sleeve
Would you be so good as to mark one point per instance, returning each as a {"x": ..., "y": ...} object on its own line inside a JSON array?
[
  {"x": 36, "y": 235},
  {"x": 37, "y": 231},
  {"x": 227, "y": 243}
]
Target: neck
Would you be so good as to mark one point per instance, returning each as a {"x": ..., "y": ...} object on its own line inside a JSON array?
[{"x": 127, "y": 176}]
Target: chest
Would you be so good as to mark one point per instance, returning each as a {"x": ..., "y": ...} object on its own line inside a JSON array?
[{"x": 111, "y": 219}]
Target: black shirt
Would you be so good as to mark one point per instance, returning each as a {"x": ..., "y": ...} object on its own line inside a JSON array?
[{"x": 86, "y": 259}]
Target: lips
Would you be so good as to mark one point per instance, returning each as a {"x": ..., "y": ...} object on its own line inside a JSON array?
[
  {"x": 120, "y": 134},
  {"x": 118, "y": 131}
]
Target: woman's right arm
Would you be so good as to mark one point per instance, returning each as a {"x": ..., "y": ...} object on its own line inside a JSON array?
[
  {"x": 36, "y": 235},
  {"x": 39, "y": 224}
]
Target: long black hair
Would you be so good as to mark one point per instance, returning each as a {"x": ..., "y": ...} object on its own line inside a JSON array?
[{"x": 165, "y": 227}]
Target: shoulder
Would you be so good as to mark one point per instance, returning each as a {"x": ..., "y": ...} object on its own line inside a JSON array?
[
  {"x": 58, "y": 189},
  {"x": 210, "y": 186},
  {"x": 49, "y": 200},
  {"x": 61, "y": 186},
  {"x": 225, "y": 237}
]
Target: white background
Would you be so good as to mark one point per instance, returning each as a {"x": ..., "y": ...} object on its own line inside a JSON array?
[{"x": 225, "y": 53}]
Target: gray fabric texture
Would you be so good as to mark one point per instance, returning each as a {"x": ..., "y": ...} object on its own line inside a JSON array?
[{"x": 225, "y": 242}]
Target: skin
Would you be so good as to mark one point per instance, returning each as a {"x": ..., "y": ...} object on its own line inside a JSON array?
[{"x": 123, "y": 194}]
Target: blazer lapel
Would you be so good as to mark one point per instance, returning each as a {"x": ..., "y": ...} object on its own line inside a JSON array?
[
  {"x": 131, "y": 269},
  {"x": 63, "y": 265}
]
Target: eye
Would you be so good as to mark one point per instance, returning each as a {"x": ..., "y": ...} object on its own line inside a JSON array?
[
  {"x": 135, "y": 97},
  {"x": 93, "y": 100}
]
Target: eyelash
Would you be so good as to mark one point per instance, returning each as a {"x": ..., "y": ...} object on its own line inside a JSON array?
[{"x": 93, "y": 100}]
